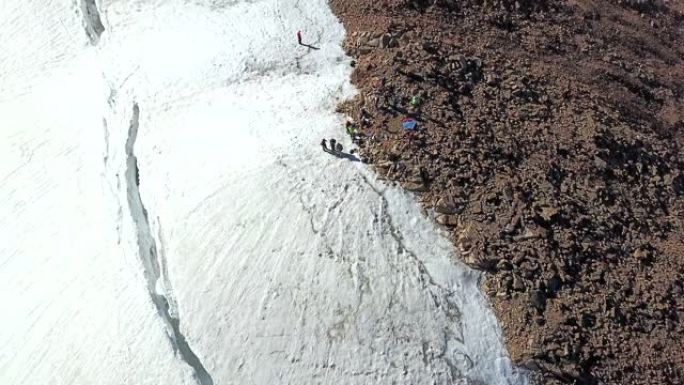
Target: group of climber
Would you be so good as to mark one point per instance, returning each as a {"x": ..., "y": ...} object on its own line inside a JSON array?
[
  {"x": 336, "y": 147},
  {"x": 409, "y": 123}
]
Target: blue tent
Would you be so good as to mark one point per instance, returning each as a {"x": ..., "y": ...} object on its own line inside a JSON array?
[{"x": 409, "y": 123}]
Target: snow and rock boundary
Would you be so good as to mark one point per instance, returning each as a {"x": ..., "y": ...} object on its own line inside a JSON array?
[{"x": 549, "y": 147}]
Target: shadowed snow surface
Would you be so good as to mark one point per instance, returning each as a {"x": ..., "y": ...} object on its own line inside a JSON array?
[{"x": 168, "y": 216}]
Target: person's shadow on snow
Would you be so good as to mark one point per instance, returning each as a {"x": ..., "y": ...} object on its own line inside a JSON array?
[
  {"x": 343, "y": 155},
  {"x": 309, "y": 46}
]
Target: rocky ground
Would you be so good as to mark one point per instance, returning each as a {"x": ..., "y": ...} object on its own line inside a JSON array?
[{"x": 550, "y": 145}]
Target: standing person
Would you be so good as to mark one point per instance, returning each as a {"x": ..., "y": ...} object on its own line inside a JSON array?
[
  {"x": 332, "y": 144},
  {"x": 299, "y": 37},
  {"x": 351, "y": 130},
  {"x": 324, "y": 145}
]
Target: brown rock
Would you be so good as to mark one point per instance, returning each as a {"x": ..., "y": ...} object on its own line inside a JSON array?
[
  {"x": 414, "y": 186},
  {"x": 548, "y": 213},
  {"x": 446, "y": 206},
  {"x": 385, "y": 41},
  {"x": 467, "y": 237},
  {"x": 503, "y": 264},
  {"x": 538, "y": 300},
  {"x": 447, "y": 220},
  {"x": 518, "y": 283}
]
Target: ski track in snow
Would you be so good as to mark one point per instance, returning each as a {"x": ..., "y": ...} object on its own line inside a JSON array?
[{"x": 276, "y": 263}]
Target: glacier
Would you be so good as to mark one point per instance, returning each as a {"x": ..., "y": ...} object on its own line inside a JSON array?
[{"x": 168, "y": 216}]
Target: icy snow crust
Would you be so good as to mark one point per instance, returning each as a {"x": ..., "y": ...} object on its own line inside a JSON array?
[{"x": 278, "y": 263}]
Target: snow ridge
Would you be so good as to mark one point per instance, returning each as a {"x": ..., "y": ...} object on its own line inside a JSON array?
[
  {"x": 150, "y": 261},
  {"x": 91, "y": 20}
]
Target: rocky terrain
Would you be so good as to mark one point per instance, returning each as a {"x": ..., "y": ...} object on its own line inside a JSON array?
[{"x": 550, "y": 145}]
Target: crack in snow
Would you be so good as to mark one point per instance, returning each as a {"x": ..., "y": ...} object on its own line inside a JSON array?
[
  {"x": 91, "y": 21},
  {"x": 106, "y": 141},
  {"x": 151, "y": 260}
]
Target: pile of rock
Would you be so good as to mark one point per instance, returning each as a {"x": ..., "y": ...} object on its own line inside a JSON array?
[{"x": 553, "y": 154}]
